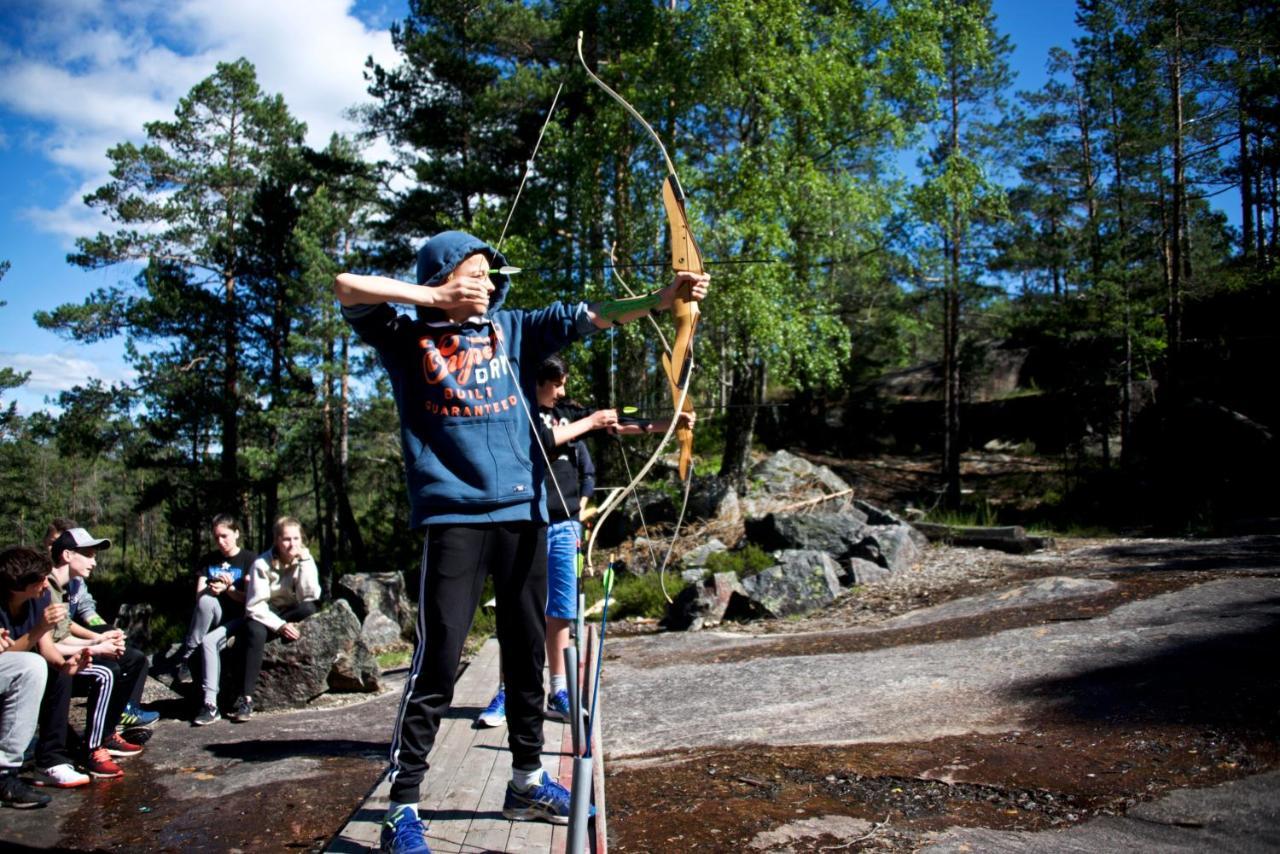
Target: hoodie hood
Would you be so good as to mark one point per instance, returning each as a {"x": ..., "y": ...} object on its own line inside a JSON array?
[{"x": 442, "y": 253}]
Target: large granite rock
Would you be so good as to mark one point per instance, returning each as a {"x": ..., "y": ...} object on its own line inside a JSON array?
[
  {"x": 836, "y": 533},
  {"x": 329, "y": 654},
  {"x": 782, "y": 480},
  {"x": 703, "y": 604},
  {"x": 802, "y": 580},
  {"x": 381, "y": 603}
]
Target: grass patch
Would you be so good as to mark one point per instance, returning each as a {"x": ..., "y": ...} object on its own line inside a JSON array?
[
  {"x": 634, "y": 595},
  {"x": 392, "y": 659},
  {"x": 744, "y": 562}
]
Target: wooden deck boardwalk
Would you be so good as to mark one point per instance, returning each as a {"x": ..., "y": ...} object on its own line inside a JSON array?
[{"x": 467, "y": 781}]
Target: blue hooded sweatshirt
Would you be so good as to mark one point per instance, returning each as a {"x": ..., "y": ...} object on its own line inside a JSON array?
[{"x": 468, "y": 444}]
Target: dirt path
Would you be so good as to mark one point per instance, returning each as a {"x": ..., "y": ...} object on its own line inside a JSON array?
[{"x": 1027, "y": 695}]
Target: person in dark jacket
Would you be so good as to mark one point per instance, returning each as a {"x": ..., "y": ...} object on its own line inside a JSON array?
[{"x": 476, "y": 485}]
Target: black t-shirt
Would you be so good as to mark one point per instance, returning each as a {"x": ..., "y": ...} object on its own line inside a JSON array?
[
  {"x": 28, "y": 616},
  {"x": 571, "y": 466},
  {"x": 237, "y": 567}
]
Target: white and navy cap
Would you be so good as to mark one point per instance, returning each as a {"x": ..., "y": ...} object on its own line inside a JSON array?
[{"x": 79, "y": 538}]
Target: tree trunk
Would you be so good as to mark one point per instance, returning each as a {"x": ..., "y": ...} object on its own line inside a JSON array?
[
  {"x": 1178, "y": 224},
  {"x": 951, "y": 334},
  {"x": 745, "y": 393},
  {"x": 229, "y": 470},
  {"x": 1246, "y": 179},
  {"x": 951, "y": 376}
]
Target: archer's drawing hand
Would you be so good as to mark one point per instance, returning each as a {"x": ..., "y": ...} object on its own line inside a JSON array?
[
  {"x": 604, "y": 419},
  {"x": 470, "y": 292}
]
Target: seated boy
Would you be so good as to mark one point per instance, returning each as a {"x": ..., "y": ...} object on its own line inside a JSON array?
[
  {"x": 110, "y": 681},
  {"x": 22, "y": 679},
  {"x": 28, "y": 614},
  {"x": 84, "y": 610}
]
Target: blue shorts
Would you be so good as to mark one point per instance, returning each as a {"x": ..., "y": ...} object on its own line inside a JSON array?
[{"x": 562, "y": 569}]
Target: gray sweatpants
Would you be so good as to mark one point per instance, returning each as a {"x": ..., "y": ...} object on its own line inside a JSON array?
[{"x": 22, "y": 679}]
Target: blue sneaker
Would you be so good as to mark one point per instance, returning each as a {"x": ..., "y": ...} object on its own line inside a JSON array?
[
  {"x": 135, "y": 716},
  {"x": 557, "y": 706},
  {"x": 404, "y": 833},
  {"x": 548, "y": 800},
  {"x": 495, "y": 714}
]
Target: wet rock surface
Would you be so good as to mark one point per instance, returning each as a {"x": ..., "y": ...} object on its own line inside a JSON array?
[
  {"x": 284, "y": 781},
  {"x": 1103, "y": 695}
]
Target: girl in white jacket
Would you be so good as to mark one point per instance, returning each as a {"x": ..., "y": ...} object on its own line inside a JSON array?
[{"x": 284, "y": 589}]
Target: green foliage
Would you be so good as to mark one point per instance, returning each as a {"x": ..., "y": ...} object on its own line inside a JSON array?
[
  {"x": 643, "y": 596},
  {"x": 742, "y": 562},
  {"x": 635, "y": 595}
]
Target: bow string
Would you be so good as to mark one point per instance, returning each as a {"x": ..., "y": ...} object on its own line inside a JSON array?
[{"x": 678, "y": 364}]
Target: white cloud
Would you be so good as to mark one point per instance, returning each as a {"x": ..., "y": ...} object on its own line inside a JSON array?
[
  {"x": 88, "y": 74},
  {"x": 56, "y": 372}
]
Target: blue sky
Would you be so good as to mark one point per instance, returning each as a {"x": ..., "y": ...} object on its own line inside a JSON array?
[{"x": 78, "y": 76}]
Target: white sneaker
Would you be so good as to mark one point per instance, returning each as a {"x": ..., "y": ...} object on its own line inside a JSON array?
[{"x": 61, "y": 777}]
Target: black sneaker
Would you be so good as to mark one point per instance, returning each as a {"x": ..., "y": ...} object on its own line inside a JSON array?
[
  {"x": 207, "y": 715},
  {"x": 17, "y": 794},
  {"x": 182, "y": 675},
  {"x": 243, "y": 710}
]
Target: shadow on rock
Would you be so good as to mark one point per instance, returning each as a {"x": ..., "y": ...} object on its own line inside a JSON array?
[
  {"x": 1238, "y": 554},
  {"x": 261, "y": 750},
  {"x": 1229, "y": 680}
]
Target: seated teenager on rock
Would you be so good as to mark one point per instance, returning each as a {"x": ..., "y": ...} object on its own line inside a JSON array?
[
  {"x": 22, "y": 680},
  {"x": 221, "y": 584},
  {"x": 284, "y": 589},
  {"x": 28, "y": 614},
  {"x": 82, "y": 609},
  {"x": 112, "y": 679}
]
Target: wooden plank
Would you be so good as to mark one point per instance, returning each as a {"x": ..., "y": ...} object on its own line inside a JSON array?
[
  {"x": 472, "y": 758},
  {"x": 364, "y": 828},
  {"x": 466, "y": 784}
]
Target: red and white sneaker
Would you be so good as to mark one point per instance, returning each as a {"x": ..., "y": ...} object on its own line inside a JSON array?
[
  {"x": 99, "y": 764},
  {"x": 61, "y": 777},
  {"x": 116, "y": 745}
]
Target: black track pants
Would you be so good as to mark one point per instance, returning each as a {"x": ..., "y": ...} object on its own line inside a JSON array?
[{"x": 455, "y": 561}]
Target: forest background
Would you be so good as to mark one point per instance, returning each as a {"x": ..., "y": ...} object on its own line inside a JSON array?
[{"x": 1148, "y": 319}]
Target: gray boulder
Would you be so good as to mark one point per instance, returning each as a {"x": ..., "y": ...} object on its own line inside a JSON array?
[
  {"x": 328, "y": 654},
  {"x": 804, "y": 579},
  {"x": 382, "y": 605},
  {"x": 783, "y": 479},
  {"x": 880, "y": 516},
  {"x": 862, "y": 572},
  {"x": 835, "y": 533},
  {"x": 890, "y": 546},
  {"x": 703, "y": 604}
]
